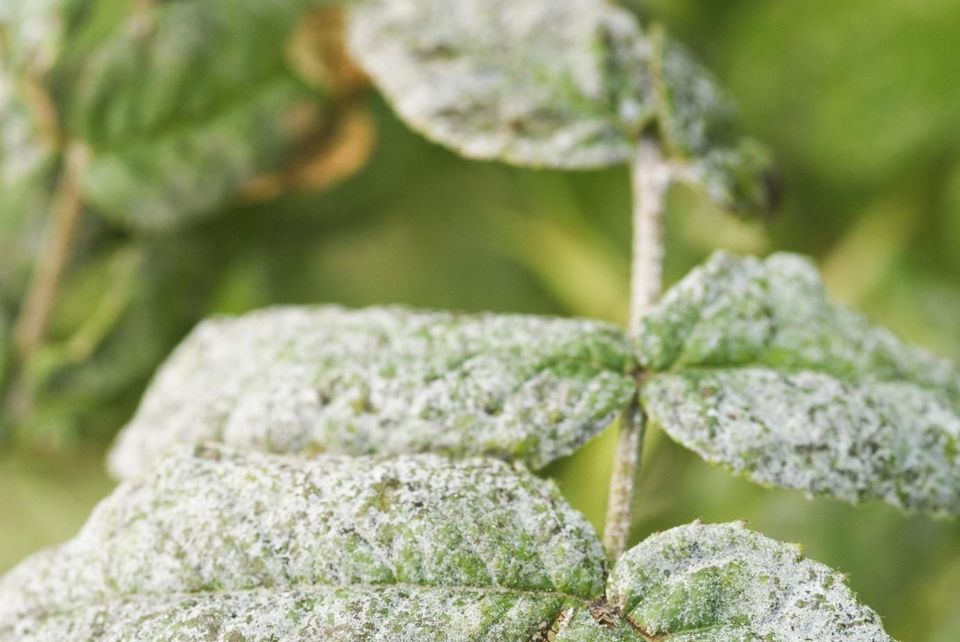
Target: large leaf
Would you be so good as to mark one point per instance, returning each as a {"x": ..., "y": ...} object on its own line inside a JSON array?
[
  {"x": 185, "y": 104},
  {"x": 722, "y": 582},
  {"x": 556, "y": 83},
  {"x": 216, "y": 545},
  {"x": 754, "y": 367},
  {"x": 387, "y": 381},
  {"x": 253, "y": 547}
]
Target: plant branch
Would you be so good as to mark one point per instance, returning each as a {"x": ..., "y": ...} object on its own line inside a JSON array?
[
  {"x": 34, "y": 316},
  {"x": 651, "y": 176}
]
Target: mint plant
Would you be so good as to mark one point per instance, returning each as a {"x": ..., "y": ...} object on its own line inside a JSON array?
[{"x": 318, "y": 473}]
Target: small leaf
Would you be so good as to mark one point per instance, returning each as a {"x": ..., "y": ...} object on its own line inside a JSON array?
[
  {"x": 226, "y": 546},
  {"x": 755, "y": 368},
  {"x": 700, "y": 129},
  {"x": 385, "y": 381},
  {"x": 555, "y": 83},
  {"x": 722, "y": 582},
  {"x": 185, "y": 104}
]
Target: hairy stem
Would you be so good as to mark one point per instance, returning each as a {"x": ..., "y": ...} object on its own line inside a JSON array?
[
  {"x": 650, "y": 180},
  {"x": 34, "y": 315}
]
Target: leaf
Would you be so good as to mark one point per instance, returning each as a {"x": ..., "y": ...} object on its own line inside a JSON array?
[
  {"x": 722, "y": 582},
  {"x": 754, "y": 367},
  {"x": 246, "y": 546},
  {"x": 227, "y": 546},
  {"x": 555, "y": 83},
  {"x": 699, "y": 126},
  {"x": 182, "y": 106},
  {"x": 385, "y": 381},
  {"x": 560, "y": 84}
]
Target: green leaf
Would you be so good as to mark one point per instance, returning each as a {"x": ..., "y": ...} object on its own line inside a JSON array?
[
  {"x": 754, "y": 367},
  {"x": 183, "y": 105},
  {"x": 215, "y": 544},
  {"x": 555, "y": 83},
  {"x": 218, "y": 545},
  {"x": 722, "y": 582},
  {"x": 385, "y": 381}
]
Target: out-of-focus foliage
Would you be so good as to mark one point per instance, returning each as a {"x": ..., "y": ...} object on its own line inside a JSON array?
[
  {"x": 177, "y": 112},
  {"x": 858, "y": 103},
  {"x": 184, "y": 105}
]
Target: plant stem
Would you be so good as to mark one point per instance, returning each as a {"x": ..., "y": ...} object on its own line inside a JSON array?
[
  {"x": 650, "y": 180},
  {"x": 34, "y": 316}
]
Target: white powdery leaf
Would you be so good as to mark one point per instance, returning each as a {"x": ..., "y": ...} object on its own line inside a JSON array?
[
  {"x": 385, "y": 381},
  {"x": 722, "y": 582},
  {"x": 217, "y": 545},
  {"x": 754, "y": 367},
  {"x": 557, "y": 83}
]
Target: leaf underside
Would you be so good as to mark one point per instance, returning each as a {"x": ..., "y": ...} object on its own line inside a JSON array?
[
  {"x": 385, "y": 381},
  {"x": 218, "y": 545},
  {"x": 555, "y": 83},
  {"x": 755, "y": 368}
]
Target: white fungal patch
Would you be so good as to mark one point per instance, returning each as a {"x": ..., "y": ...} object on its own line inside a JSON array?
[
  {"x": 279, "y": 547},
  {"x": 722, "y": 582},
  {"x": 226, "y": 546},
  {"x": 555, "y": 83},
  {"x": 763, "y": 373},
  {"x": 384, "y": 381}
]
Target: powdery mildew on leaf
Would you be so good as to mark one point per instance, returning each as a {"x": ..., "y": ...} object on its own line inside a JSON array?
[
  {"x": 385, "y": 381},
  {"x": 249, "y": 547},
  {"x": 216, "y": 545},
  {"x": 699, "y": 125},
  {"x": 760, "y": 371},
  {"x": 557, "y": 83},
  {"x": 722, "y": 582}
]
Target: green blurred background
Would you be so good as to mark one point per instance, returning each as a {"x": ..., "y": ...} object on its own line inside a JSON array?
[{"x": 860, "y": 102}]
